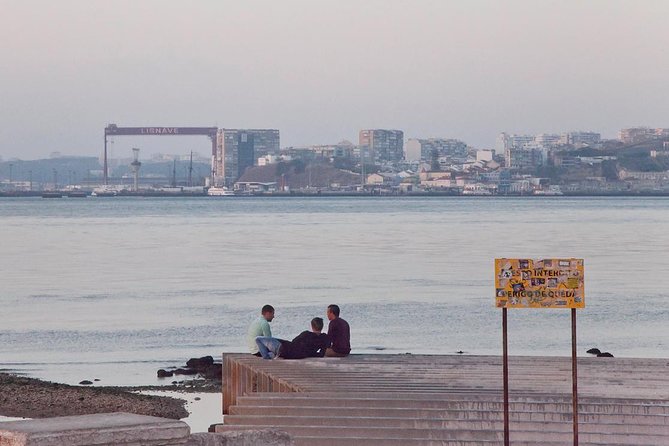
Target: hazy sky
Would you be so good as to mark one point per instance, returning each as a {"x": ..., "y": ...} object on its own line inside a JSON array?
[{"x": 321, "y": 70}]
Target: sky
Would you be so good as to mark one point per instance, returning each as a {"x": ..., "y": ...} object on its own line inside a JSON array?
[{"x": 322, "y": 70}]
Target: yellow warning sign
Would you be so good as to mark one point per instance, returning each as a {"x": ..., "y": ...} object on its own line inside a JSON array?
[{"x": 539, "y": 283}]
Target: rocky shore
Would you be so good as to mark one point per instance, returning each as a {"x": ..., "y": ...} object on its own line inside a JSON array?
[{"x": 34, "y": 398}]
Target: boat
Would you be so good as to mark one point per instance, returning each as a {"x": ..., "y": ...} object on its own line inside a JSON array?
[
  {"x": 220, "y": 192},
  {"x": 551, "y": 191},
  {"x": 476, "y": 189},
  {"x": 477, "y": 192},
  {"x": 52, "y": 195},
  {"x": 77, "y": 194},
  {"x": 105, "y": 191}
]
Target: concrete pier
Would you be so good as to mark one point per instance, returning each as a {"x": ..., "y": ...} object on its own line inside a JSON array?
[
  {"x": 99, "y": 429},
  {"x": 447, "y": 400}
]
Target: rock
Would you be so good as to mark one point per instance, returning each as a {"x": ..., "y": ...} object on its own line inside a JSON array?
[
  {"x": 175, "y": 382},
  {"x": 200, "y": 363},
  {"x": 185, "y": 372},
  {"x": 256, "y": 437},
  {"x": 214, "y": 371},
  {"x": 605, "y": 355},
  {"x": 594, "y": 351},
  {"x": 162, "y": 373},
  {"x": 86, "y": 382}
]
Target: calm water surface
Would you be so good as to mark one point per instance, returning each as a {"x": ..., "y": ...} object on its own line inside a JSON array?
[{"x": 117, "y": 287}]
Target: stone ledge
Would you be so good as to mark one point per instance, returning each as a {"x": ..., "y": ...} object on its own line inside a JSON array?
[
  {"x": 116, "y": 428},
  {"x": 263, "y": 437}
]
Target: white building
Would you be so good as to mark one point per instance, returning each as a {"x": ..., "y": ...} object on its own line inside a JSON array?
[
  {"x": 484, "y": 155},
  {"x": 417, "y": 149}
]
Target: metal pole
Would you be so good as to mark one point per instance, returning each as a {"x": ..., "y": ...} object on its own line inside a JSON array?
[
  {"x": 574, "y": 375},
  {"x": 362, "y": 167},
  {"x": 104, "y": 168},
  {"x": 190, "y": 170},
  {"x": 505, "y": 372},
  {"x": 214, "y": 158}
]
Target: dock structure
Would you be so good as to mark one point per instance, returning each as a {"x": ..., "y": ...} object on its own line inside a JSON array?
[{"x": 447, "y": 400}]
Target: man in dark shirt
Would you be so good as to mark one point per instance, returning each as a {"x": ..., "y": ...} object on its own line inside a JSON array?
[
  {"x": 305, "y": 345},
  {"x": 339, "y": 333}
]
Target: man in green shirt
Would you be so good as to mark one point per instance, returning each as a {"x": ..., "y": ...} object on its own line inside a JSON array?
[{"x": 260, "y": 327}]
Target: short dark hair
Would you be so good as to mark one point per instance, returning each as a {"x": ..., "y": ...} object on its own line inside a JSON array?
[
  {"x": 317, "y": 323},
  {"x": 334, "y": 308},
  {"x": 267, "y": 309}
]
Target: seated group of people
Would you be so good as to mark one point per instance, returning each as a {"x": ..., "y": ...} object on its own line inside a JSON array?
[{"x": 308, "y": 344}]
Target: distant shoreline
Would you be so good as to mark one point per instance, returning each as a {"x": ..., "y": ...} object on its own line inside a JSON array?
[{"x": 326, "y": 194}]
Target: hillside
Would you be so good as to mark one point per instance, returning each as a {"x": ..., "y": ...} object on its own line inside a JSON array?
[{"x": 296, "y": 175}]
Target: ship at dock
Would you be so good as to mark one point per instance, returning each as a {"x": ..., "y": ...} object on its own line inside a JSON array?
[{"x": 220, "y": 192}]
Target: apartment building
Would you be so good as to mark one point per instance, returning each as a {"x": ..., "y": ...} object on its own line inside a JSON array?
[
  {"x": 547, "y": 140},
  {"x": 635, "y": 135},
  {"x": 581, "y": 138},
  {"x": 381, "y": 144},
  {"x": 421, "y": 149},
  {"x": 237, "y": 149},
  {"x": 525, "y": 158}
]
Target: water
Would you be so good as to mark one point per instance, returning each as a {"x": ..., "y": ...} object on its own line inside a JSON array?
[{"x": 114, "y": 288}]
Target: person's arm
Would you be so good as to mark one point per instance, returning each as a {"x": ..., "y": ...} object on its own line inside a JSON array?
[
  {"x": 325, "y": 343},
  {"x": 266, "y": 331}
]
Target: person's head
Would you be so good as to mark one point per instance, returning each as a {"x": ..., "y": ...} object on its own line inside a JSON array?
[
  {"x": 268, "y": 312},
  {"x": 317, "y": 324},
  {"x": 333, "y": 312}
]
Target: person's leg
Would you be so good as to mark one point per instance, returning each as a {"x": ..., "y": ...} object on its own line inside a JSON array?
[
  {"x": 333, "y": 354},
  {"x": 268, "y": 347},
  {"x": 262, "y": 342}
]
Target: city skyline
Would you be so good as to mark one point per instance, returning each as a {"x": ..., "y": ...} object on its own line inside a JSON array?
[{"x": 464, "y": 70}]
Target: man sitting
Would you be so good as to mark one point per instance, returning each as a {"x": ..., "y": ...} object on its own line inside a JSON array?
[
  {"x": 307, "y": 344},
  {"x": 339, "y": 333},
  {"x": 260, "y": 327}
]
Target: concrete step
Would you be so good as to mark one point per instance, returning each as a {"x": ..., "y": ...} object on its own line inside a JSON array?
[
  {"x": 463, "y": 395},
  {"x": 448, "y": 414},
  {"x": 420, "y": 423},
  {"x": 622, "y": 407},
  {"x": 563, "y": 438},
  {"x": 357, "y": 441}
]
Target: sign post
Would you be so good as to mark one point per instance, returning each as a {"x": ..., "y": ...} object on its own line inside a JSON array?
[{"x": 539, "y": 283}]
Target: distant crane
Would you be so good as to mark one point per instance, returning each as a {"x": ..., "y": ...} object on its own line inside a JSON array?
[
  {"x": 190, "y": 170},
  {"x": 134, "y": 166}
]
